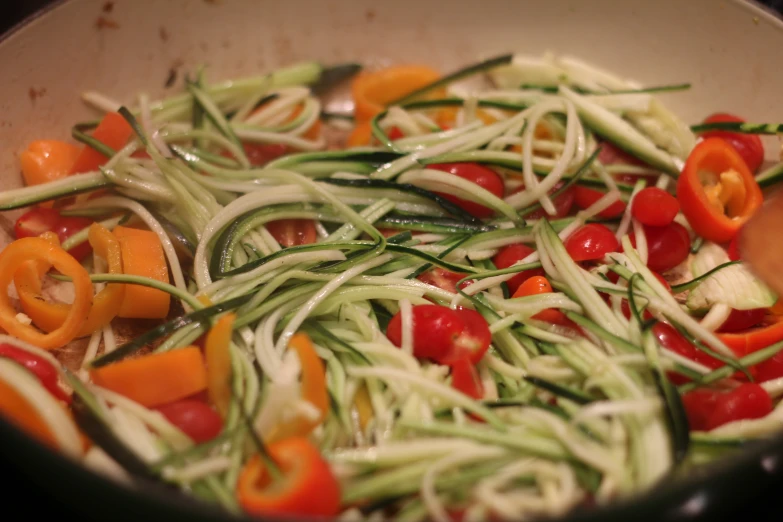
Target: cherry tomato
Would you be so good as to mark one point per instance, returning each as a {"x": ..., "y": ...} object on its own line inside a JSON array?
[
  {"x": 195, "y": 418},
  {"x": 291, "y": 232},
  {"x": 562, "y": 203},
  {"x": 667, "y": 246},
  {"x": 444, "y": 335},
  {"x": 395, "y": 133},
  {"x": 670, "y": 338},
  {"x": 749, "y": 146},
  {"x": 733, "y": 250},
  {"x": 585, "y": 197},
  {"x": 538, "y": 285},
  {"x": 35, "y": 222},
  {"x": 509, "y": 256},
  {"x": 740, "y": 320},
  {"x": 708, "y": 409},
  {"x": 611, "y": 155},
  {"x": 591, "y": 242},
  {"x": 655, "y": 207},
  {"x": 485, "y": 178},
  {"x": 443, "y": 279},
  {"x": 38, "y": 366},
  {"x": 465, "y": 378},
  {"x": 259, "y": 154}
]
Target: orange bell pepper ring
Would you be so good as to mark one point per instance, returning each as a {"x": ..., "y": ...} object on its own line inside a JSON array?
[
  {"x": 717, "y": 191},
  {"x": 37, "y": 249},
  {"x": 372, "y": 91},
  {"x": 218, "y": 359},
  {"x": 313, "y": 385},
  {"x": 306, "y": 488},
  {"x": 49, "y": 316}
]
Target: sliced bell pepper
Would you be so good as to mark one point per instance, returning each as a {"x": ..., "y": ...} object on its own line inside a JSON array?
[
  {"x": 218, "y": 359},
  {"x": 313, "y": 386},
  {"x": 40, "y": 250},
  {"x": 744, "y": 343},
  {"x": 717, "y": 191},
  {"x": 307, "y": 487},
  {"x": 363, "y": 406},
  {"x": 112, "y": 131},
  {"x": 47, "y": 160},
  {"x": 371, "y": 91},
  {"x": 142, "y": 255},
  {"x": 157, "y": 378},
  {"x": 49, "y": 316}
]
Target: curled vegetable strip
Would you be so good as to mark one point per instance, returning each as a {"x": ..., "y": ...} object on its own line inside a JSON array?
[
  {"x": 50, "y": 316},
  {"x": 28, "y": 249}
]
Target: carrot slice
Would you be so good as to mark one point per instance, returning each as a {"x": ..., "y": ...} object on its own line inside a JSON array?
[
  {"x": 218, "y": 358},
  {"x": 372, "y": 91},
  {"x": 114, "y": 132},
  {"x": 38, "y": 250},
  {"x": 155, "y": 379},
  {"x": 142, "y": 255}
]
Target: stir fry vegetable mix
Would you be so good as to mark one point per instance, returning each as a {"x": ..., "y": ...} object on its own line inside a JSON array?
[{"x": 494, "y": 304}]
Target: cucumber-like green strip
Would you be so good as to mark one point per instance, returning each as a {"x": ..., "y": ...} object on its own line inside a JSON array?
[
  {"x": 91, "y": 142},
  {"x": 455, "y": 76},
  {"x": 771, "y": 176},
  {"x": 61, "y": 188},
  {"x": 721, "y": 373},
  {"x": 565, "y": 392},
  {"x": 693, "y": 283},
  {"x": 741, "y": 127},
  {"x": 139, "y": 342},
  {"x": 215, "y": 116}
]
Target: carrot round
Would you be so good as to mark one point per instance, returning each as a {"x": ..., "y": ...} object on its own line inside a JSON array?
[
  {"x": 112, "y": 131},
  {"x": 218, "y": 359},
  {"x": 142, "y": 255},
  {"x": 155, "y": 379},
  {"x": 39, "y": 250},
  {"x": 49, "y": 316},
  {"x": 372, "y": 91}
]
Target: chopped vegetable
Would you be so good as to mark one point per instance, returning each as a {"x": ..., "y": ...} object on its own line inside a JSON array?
[
  {"x": 217, "y": 355},
  {"x": 371, "y": 91},
  {"x": 591, "y": 242},
  {"x": 47, "y": 160},
  {"x": 655, "y": 207},
  {"x": 717, "y": 191},
  {"x": 142, "y": 255},
  {"x": 35, "y": 222},
  {"x": 585, "y": 197},
  {"x": 195, "y": 418},
  {"x": 114, "y": 132},
  {"x": 748, "y": 146}
]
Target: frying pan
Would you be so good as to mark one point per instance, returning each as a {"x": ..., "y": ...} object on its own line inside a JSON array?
[{"x": 728, "y": 49}]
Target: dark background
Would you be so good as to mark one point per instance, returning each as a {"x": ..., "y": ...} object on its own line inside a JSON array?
[{"x": 20, "y": 493}]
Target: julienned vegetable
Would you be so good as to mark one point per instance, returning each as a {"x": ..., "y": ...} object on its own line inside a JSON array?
[
  {"x": 717, "y": 191},
  {"x": 468, "y": 314}
]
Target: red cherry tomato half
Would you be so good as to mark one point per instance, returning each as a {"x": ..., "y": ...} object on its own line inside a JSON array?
[
  {"x": 585, "y": 197},
  {"x": 292, "y": 232},
  {"x": 484, "y": 177},
  {"x": 667, "y": 246},
  {"x": 395, "y": 133},
  {"x": 509, "y": 256},
  {"x": 749, "y": 146},
  {"x": 444, "y": 335},
  {"x": 465, "y": 378},
  {"x": 443, "y": 279},
  {"x": 770, "y": 369},
  {"x": 740, "y": 320},
  {"x": 708, "y": 409},
  {"x": 655, "y": 207},
  {"x": 35, "y": 222},
  {"x": 670, "y": 338},
  {"x": 591, "y": 242},
  {"x": 562, "y": 202},
  {"x": 611, "y": 155},
  {"x": 195, "y": 418},
  {"x": 38, "y": 366},
  {"x": 259, "y": 154}
]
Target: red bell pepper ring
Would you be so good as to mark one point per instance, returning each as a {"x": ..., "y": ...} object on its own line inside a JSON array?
[
  {"x": 717, "y": 191},
  {"x": 753, "y": 340}
]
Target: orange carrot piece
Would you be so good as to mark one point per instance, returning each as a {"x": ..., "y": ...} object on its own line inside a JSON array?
[
  {"x": 114, "y": 132},
  {"x": 142, "y": 255},
  {"x": 218, "y": 358},
  {"x": 155, "y": 379},
  {"x": 371, "y": 91}
]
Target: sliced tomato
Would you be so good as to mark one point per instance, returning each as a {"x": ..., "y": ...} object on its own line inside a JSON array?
[
  {"x": 611, "y": 155},
  {"x": 511, "y": 255},
  {"x": 482, "y": 176},
  {"x": 259, "y": 154},
  {"x": 708, "y": 409},
  {"x": 195, "y": 418},
  {"x": 591, "y": 242},
  {"x": 292, "y": 232},
  {"x": 443, "y": 279},
  {"x": 35, "y": 222},
  {"x": 38, "y": 366},
  {"x": 667, "y": 246},
  {"x": 585, "y": 197},
  {"x": 562, "y": 203},
  {"x": 655, "y": 207},
  {"x": 465, "y": 378}
]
